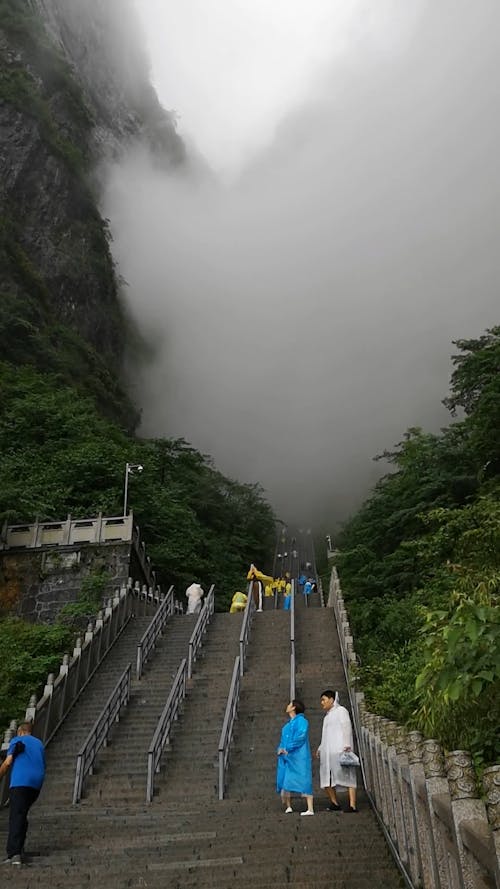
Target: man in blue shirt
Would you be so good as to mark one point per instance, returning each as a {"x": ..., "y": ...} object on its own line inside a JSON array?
[{"x": 26, "y": 759}]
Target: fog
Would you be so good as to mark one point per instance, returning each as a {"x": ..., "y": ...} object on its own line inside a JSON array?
[{"x": 299, "y": 315}]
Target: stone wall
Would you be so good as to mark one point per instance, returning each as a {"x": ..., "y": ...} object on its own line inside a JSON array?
[{"x": 36, "y": 584}]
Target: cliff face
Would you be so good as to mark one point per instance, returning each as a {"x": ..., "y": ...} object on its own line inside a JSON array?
[
  {"x": 72, "y": 91},
  {"x": 101, "y": 40}
]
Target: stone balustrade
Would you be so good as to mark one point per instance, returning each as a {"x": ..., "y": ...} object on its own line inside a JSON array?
[
  {"x": 70, "y": 532},
  {"x": 97, "y": 530},
  {"x": 444, "y": 831}
]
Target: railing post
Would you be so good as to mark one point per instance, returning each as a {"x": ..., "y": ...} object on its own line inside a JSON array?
[
  {"x": 436, "y": 784},
  {"x": 465, "y": 805},
  {"x": 138, "y": 672}
]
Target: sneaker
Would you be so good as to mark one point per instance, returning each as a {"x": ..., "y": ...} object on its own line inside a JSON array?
[
  {"x": 352, "y": 809},
  {"x": 16, "y": 859},
  {"x": 307, "y": 812},
  {"x": 288, "y": 810},
  {"x": 7, "y": 861},
  {"x": 334, "y": 807}
]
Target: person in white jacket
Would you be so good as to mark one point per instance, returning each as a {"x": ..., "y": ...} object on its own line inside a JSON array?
[
  {"x": 194, "y": 595},
  {"x": 336, "y": 737}
]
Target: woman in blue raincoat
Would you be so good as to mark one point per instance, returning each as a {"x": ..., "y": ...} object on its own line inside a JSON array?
[{"x": 294, "y": 771}]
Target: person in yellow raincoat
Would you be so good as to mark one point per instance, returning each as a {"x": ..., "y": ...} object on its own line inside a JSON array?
[
  {"x": 238, "y": 602},
  {"x": 257, "y": 580}
]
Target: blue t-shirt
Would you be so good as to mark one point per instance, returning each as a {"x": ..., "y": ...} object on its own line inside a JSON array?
[{"x": 28, "y": 767}]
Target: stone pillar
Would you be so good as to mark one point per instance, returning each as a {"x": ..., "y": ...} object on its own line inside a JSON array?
[
  {"x": 49, "y": 687},
  {"x": 437, "y": 785},
  {"x": 365, "y": 750},
  {"x": 376, "y": 770},
  {"x": 421, "y": 811},
  {"x": 31, "y": 710},
  {"x": 412, "y": 851},
  {"x": 66, "y": 534},
  {"x": 98, "y": 528},
  {"x": 491, "y": 784},
  {"x": 395, "y": 790},
  {"x": 385, "y": 780},
  {"x": 465, "y": 805}
]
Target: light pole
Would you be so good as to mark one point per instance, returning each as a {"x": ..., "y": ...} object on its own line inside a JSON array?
[{"x": 129, "y": 467}]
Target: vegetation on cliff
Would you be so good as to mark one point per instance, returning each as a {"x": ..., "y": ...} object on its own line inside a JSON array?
[
  {"x": 59, "y": 305},
  {"x": 420, "y": 569}
]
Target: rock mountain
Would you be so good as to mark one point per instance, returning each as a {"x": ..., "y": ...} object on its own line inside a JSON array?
[{"x": 74, "y": 92}]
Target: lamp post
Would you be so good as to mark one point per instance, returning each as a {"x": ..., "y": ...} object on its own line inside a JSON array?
[{"x": 129, "y": 467}]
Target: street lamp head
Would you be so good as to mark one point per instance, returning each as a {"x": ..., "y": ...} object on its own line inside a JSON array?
[{"x": 134, "y": 467}]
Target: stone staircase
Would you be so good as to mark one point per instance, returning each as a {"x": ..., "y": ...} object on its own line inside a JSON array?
[
  {"x": 192, "y": 754},
  {"x": 62, "y": 751},
  {"x": 121, "y": 772},
  {"x": 186, "y": 838}
]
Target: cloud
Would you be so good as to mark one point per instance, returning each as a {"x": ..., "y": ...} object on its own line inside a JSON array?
[{"x": 302, "y": 316}]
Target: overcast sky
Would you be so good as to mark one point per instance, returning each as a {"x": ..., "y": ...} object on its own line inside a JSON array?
[
  {"x": 233, "y": 68},
  {"x": 301, "y": 306}
]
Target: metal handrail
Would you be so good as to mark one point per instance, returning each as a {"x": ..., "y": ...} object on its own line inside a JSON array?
[
  {"x": 155, "y": 628},
  {"x": 230, "y": 714},
  {"x": 200, "y": 629},
  {"x": 164, "y": 726},
  {"x": 99, "y": 733},
  {"x": 245, "y": 627},
  {"x": 292, "y": 642}
]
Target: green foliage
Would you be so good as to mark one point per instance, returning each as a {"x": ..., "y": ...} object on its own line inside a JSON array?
[
  {"x": 60, "y": 455},
  {"x": 388, "y": 682},
  {"x": 76, "y": 614},
  {"x": 420, "y": 568},
  {"x": 28, "y": 652}
]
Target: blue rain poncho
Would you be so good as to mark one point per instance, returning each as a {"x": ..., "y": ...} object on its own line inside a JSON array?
[{"x": 294, "y": 771}]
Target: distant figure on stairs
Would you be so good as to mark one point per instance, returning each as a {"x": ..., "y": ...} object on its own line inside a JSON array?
[
  {"x": 294, "y": 770},
  {"x": 287, "y": 598},
  {"x": 238, "y": 602},
  {"x": 336, "y": 737},
  {"x": 257, "y": 579},
  {"x": 194, "y": 595},
  {"x": 26, "y": 759}
]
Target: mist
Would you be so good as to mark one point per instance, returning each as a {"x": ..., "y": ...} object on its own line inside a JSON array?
[{"x": 299, "y": 313}]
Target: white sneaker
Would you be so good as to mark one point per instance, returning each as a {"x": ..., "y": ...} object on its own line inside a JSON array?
[
  {"x": 288, "y": 810},
  {"x": 307, "y": 812},
  {"x": 259, "y": 610}
]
